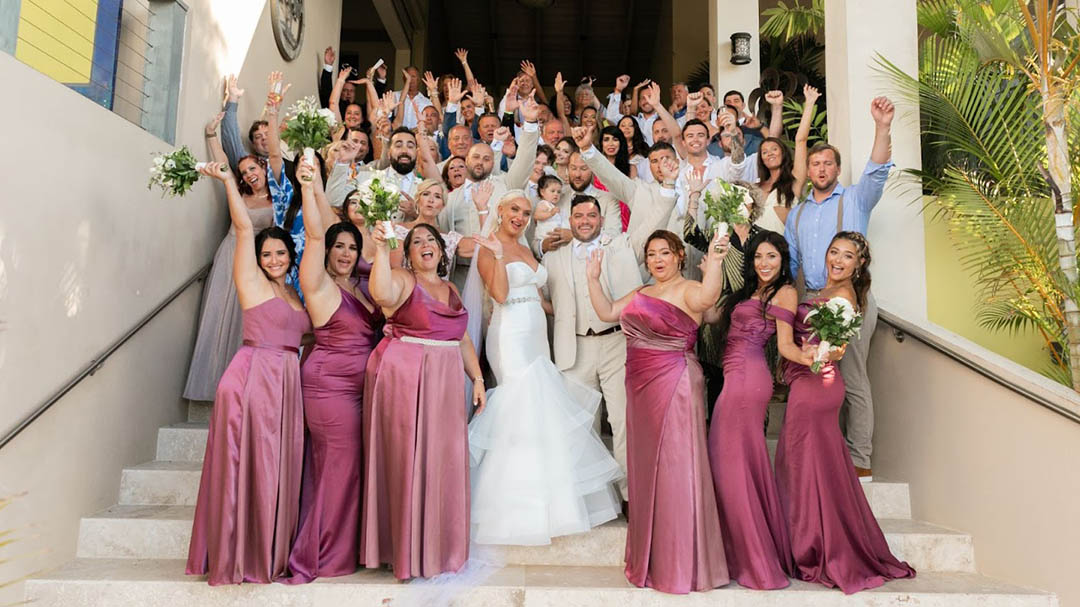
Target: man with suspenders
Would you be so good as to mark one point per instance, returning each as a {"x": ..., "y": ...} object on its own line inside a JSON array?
[{"x": 832, "y": 208}]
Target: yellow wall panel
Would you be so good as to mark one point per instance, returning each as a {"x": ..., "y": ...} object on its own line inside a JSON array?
[{"x": 56, "y": 37}]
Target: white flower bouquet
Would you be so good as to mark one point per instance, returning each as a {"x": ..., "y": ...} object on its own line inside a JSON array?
[
  {"x": 729, "y": 206},
  {"x": 308, "y": 125},
  {"x": 175, "y": 172},
  {"x": 835, "y": 322},
  {"x": 379, "y": 200}
]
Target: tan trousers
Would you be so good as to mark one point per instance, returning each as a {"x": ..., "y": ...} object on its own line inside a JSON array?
[{"x": 600, "y": 363}]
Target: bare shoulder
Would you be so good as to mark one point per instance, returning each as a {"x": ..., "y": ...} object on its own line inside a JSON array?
[{"x": 786, "y": 297}]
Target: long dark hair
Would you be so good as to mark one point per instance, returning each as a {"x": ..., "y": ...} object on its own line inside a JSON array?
[
  {"x": 332, "y": 233},
  {"x": 444, "y": 263},
  {"x": 622, "y": 156},
  {"x": 860, "y": 280},
  {"x": 637, "y": 139},
  {"x": 243, "y": 185},
  {"x": 297, "y": 197},
  {"x": 785, "y": 183},
  {"x": 275, "y": 233},
  {"x": 750, "y": 277}
]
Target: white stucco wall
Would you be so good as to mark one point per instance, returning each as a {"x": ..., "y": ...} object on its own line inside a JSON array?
[{"x": 86, "y": 250}]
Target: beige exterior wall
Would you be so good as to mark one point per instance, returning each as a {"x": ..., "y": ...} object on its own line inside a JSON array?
[
  {"x": 981, "y": 458},
  {"x": 86, "y": 250}
]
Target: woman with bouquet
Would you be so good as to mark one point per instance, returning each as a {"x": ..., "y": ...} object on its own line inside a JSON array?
[
  {"x": 835, "y": 539},
  {"x": 755, "y": 531},
  {"x": 430, "y": 200},
  {"x": 673, "y": 542},
  {"x": 247, "y": 509},
  {"x": 332, "y": 378},
  {"x": 415, "y": 512},
  {"x": 220, "y": 325}
]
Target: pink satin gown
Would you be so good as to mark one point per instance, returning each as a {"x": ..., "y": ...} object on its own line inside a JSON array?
[
  {"x": 755, "y": 532},
  {"x": 415, "y": 513},
  {"x": 249, "y": 495},
  {"x": 332, "y": 377},
  {"x": 673, "y": 543},
  {"x": 835, "y": 539}
]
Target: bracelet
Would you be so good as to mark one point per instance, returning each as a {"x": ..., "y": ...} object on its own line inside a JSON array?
[
  {"x": 479, "y": 379},
  {"x": 484, "y": 212},
  {"x": 209, "y": 135},
  {"x": 499, "y": 257}
]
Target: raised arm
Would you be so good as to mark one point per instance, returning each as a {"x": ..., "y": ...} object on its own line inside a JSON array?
[
  {"x": 882, "y": 111},
  {"x": 389, "y": 287},
  {"x": 802, "y": 136},
  {"x": 520, "y": 169},
  {"x": 634, "y": 95},
  {"x": 704, "y": 295},
  {"x": 463, "y": 56},
  {"x": 606, "y": 310},
  {"x": 432, "y": 92},
  {"x": 251, "y": 285},
  {"x": 273, "y": 103},
  {"x": 692, "y": 100},
  {"x": 428, "y": 168},
  {"x": 314, "y": 281},
  {"x": 775, "y": 100},
  {"x": 530, "y": 71},
  {"x": 335, "y": 95},
  {"x": 613, "y": 179},
  {"x": 560, "y": 102},
  {"x": 231, "y": 140},
  {"x": 612, "y": 112},
  {"x": 871, "y": 184},
  {"x": 213, "y": 142}
]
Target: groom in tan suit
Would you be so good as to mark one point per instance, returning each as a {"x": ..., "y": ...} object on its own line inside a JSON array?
[{"x": 591, "y": 351}]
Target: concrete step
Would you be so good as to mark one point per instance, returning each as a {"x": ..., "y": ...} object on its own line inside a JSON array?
[
  {"x": 154, "y": 583},
  {"x": 776, "y": 419},
  {"x": 183, "y": 442},
  {"x": 163, "y": 532},
  {"x": 167, "y": 483},
  {"x": 199, "y": 411}
]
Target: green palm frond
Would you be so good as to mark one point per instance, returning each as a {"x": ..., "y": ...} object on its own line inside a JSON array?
[{"x": 785, "y": 22}]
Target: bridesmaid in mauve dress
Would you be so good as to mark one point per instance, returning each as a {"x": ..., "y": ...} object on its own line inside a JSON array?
[
  {"x": 351, "y": 212},
  {"x": 673, "y": 542},
  {"x": 220, "y": 332},
  {"x": 415, "y": 513},
  {"x": 755, "y": 532},
  {"x": 332, "y": 377},
  {"x": 835, "y": 539},
  {"x": 247, "y": 508}
]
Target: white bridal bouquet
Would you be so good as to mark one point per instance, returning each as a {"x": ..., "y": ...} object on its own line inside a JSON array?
[
  {"x": 379, "y": 200},
  {"x": 308, "y": 125},
  {"x": 730, "y": 205},
  {"x": 834, "y": 322},
  {"x": 175, "y": 172}
]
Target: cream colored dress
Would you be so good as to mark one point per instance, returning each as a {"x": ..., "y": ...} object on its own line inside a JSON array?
[{"x": 769, "y": 220}]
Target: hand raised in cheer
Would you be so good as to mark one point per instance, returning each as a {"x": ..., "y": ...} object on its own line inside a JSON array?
[
  {"x": 501, "y": 134},
  {"x": 622, "y": 82},
  {"x": 215, "y": 122},
  {"x": 529, "y": 69},
  {"x": 582, "y": 136},
  {"x": 430, "y": 82},
  {"x": 277, "y": 89},
  {"x": 481, "y": 194},
  {"x": 810, "y": 94},
  {"x": 530, "y": 109},
  {"x": 453, "y": 91},
  {"x": 462, "y": 55},
  {"x": 232, "y": 89},
  {"x": 669, "y": 169},
  {"x": 490, "y": 243},
  {"x": 595, "y": 264},
  {"x": 774, "y": 98},
  {"x": 305, "y": 173},
  {"x": 882, "y": 110},
  {"x": 651, "y": 95},
  {"x": 560, "y": 84},
  {"x": 217, "y": 170},
  {"x": 718, "y": 248}
]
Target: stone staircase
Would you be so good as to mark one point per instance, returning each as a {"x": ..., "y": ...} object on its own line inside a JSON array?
[{"x": 133, "y": 554}]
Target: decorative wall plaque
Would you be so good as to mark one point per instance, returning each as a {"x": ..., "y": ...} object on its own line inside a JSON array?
[{"x": 287, "y": 17}]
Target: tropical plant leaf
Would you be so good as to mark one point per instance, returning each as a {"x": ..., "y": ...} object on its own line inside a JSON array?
[{"x": 786, "y": 22}]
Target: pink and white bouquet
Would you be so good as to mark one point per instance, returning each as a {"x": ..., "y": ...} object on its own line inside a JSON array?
[
  {"x": 835, "y": 322},
  {"x": 175, "y": 172},
  {"x": 729, "y": 206},
  {"x": 379, "y": 200}
]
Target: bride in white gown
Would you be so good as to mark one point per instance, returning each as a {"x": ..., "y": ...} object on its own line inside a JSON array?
[{"x": 538, "y": 469}]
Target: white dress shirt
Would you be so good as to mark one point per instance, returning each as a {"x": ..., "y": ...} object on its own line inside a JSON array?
[{"x": 411, "y": 117}]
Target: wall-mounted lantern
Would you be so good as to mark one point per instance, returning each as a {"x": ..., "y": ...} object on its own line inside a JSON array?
[{"x": 740, "y": 48}]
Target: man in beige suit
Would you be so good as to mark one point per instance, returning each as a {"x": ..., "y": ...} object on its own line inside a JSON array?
[
  {"x": 579, "y": 181},
  {"x": 587, "y": 349},
  {"x": 461, "y": 214}
]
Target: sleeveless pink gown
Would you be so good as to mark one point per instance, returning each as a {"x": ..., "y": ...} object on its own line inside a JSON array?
[
  {"x": 835, "y": 539},
  {"x": 415, "y": 513},
  {"x": 673, "y": 541},
  {"x": 333, "y": 381},
  {"x": 755, "y": 532},
  {"x": 248, "y": 504}
]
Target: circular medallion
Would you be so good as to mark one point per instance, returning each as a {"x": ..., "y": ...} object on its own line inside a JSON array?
[{"x": 288, "y": 19}]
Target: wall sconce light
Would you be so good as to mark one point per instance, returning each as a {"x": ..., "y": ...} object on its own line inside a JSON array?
[{"x": 740, "y": 48}]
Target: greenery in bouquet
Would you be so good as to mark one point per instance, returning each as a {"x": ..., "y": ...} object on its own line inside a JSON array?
[
  {"x": 308, "y": 125},
  {"x": 379, "y": 200},
  {"x": 730, "y": 205},
  {"x": 834, "y": 322},
  {"x": 174, "y": 172}
]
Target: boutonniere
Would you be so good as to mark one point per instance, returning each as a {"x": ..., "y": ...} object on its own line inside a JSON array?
[{"x": 605, "y": 240}]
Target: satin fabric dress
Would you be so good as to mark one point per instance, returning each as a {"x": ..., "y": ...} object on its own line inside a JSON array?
[
  {"x": 673, "y": 542},
  {"x": 755, "y": 531},
  {"x": 332, "y": 377},
  {"x": 835, "y": 539},
  {"x": 415, "y": 513},
  {"x": 249, "y": 494}
]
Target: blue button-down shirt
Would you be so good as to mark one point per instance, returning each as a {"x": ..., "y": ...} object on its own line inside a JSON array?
[{"x": 818, "y": 223}]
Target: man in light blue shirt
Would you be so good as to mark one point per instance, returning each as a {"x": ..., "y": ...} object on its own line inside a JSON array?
[{"x": 810, "y": 227}]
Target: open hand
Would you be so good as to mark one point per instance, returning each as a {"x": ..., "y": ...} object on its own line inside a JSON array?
[
  {"x": 595, "y": 263},
  {"x": 621, "y": 82},
  {"x": 512, "y": 101},
  {"x": 651, "y": 95},
  {"x": 669, "y": 169},
  {"x": 490, "y": 243},
  {"x": 430, "y": 82},
  {"x": 234, "y": 91},
  {"x": 695, "y": 179},
  {"x": 215, "y": 122},
  {"x": 529, "y": 69},
  {"x": 481, "y": 194},
  {"x": 810, "y": 94},
  {"x": 462, "y": 55},
  {"x": 453, "y": 91},
  {"x": 560, "y": 84}
]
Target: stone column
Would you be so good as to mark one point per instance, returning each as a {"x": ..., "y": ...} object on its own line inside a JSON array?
[
  {"x": 856, "y": 32},
  {"x": 725, "y": 18}
]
